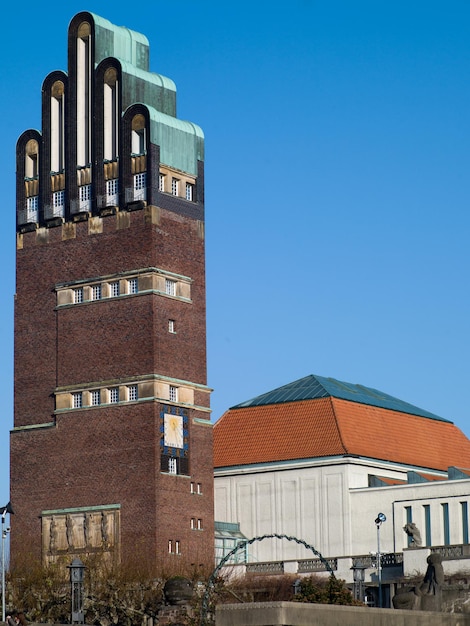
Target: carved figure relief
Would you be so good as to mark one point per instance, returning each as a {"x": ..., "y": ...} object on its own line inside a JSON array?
[{"x": 81, "y": 532}]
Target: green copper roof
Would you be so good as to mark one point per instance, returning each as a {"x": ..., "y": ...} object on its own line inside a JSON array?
[
  {"x": 181, "y": 143},
  {"x": 119, "y": 42},
  {"x": 147, "y": 88},
  {"x": 313, "y": 387}
]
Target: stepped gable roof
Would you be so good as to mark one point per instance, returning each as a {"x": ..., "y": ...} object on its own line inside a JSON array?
[{"x": 311, "y": 418}]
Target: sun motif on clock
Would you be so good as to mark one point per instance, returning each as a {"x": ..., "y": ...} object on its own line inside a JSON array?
[{"x": 173, "y": 431}]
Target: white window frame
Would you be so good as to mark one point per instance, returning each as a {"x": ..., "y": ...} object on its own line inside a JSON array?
[
  {"x": 114, "y": 289},
  {"x": 32, "y": 208},
  {"x": 132, "y": 286},
  {"x": 112, "y": 192},
  {"x": 77, "y": 400},
  {"x": 189, "y": 191},
  {"x": 171, "y": 326},
  {"x": 58, "y": 203},
  {"x": 78, "y": 295},
  {"x": 132, "y": 393},
  {"x": 96, "y": 292},
  {"x": 173, "y": 393},
  {"x": 95, "y": 397},
  {"x": 113, "y": 395},
  {"x": 172, "y": 465},
  {"x": 170, "y": 287},
  {"x": 84, "y": 197},
  {"x": 175, "y": 186},
  {"x": 140, "y": 186},
  {"x": 161, "y": 182}
]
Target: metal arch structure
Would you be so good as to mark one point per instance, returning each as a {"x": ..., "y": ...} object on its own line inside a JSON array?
[{"x": 241, "y": 546}]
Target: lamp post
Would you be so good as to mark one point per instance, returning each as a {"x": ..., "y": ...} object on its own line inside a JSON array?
[
  {"x": 76, "y": 581},
  {"x": 359, "y": 577},
  {"x": 378, "y": 522},
  {"x": 3, "y": 512}
]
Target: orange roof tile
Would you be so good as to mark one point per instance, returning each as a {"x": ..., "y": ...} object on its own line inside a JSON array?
[
  {"x": 330, "y": 427},
  {"x": 391, "y": 481}
]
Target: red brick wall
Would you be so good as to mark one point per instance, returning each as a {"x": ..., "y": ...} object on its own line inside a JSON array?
[{"x": 109, "y": 455}]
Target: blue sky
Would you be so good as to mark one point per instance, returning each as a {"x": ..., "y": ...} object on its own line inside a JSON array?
[{"x": 337, "y": 186}]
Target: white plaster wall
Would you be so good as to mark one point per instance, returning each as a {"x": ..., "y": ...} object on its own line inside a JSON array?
[{"x": 328, "y": 505}]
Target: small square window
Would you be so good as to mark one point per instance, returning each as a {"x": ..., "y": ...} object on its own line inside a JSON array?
[
  {"x": 132, "y": 393},
  {"x": 189, "y": 191},
  {"x": 78, "y": 295},
  {"x": 114, "y": 395},
  {"x": 96, "y": 292},
  {"x": 173, "y": 394},
  {"x": 95, "y": 397},
  {"x": 175, "y": 186},
  {"x": 132, "y": 285},
  {"x": 171, "y": 326},
  {"x": 77, "y": 400},
  {"x": 114, "y": 289},
  {"x": 170, "y": 287}
]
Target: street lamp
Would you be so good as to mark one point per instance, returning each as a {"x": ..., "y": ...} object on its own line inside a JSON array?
[
  {"x": 378, "y": 522},
  {"x": 3, "y": 512},
  {"x": 359, "y": 576},
  {"x": 76, "y": 581}
]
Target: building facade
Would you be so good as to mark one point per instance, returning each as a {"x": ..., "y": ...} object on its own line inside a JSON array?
[
  {"x": 318, "y": 459},
  {"x": 111, "y": 450}
]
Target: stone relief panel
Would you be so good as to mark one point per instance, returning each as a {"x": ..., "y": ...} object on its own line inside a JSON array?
[{"x": 80, "y": 532}]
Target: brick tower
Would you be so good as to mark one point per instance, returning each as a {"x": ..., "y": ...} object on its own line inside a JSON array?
[{"x": 111, "y": 450}]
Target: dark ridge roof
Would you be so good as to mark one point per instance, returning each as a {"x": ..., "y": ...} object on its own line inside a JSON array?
[{"x": 313, "y": 387}]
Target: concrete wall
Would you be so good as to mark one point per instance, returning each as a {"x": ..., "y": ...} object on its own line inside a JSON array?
[{"x": 299, "y": 614}]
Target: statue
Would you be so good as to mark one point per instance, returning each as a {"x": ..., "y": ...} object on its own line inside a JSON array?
[
  {"x": 412, "y": 531},
  {"x": 426, "y": 596}
]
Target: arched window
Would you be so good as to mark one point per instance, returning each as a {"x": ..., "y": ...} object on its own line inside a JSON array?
[
  {"x": 111, "y": 115},
  {"x": 31, "y": 166},
  {"x": 31, "y": 171},
  {"x": 139, "y": 139},
  {"x": 57, "y": 127},
  {"x": 84, "y": 74}
]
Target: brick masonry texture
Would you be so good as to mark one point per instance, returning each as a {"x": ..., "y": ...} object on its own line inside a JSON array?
[{"x": 110, "y": 454}]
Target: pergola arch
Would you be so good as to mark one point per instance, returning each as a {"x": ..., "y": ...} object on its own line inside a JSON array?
[{"x": 241, "y": 546}]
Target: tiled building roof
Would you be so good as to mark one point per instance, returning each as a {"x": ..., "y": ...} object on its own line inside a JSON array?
[{"x": 259, "y": 432}]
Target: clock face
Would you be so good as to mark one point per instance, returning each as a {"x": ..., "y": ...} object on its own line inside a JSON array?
[{"x": 173, "y": 431}]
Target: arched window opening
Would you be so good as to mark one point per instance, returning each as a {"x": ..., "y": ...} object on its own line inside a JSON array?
[
  {"x": 57, "y": 127},
  {"x": 139, "y": 140},
  {"x": 84, "y": 73},
  {"x": 138, "y": 192},
  {"x": 111, "y": 115},
  {"x": 29, "y": 214}
]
